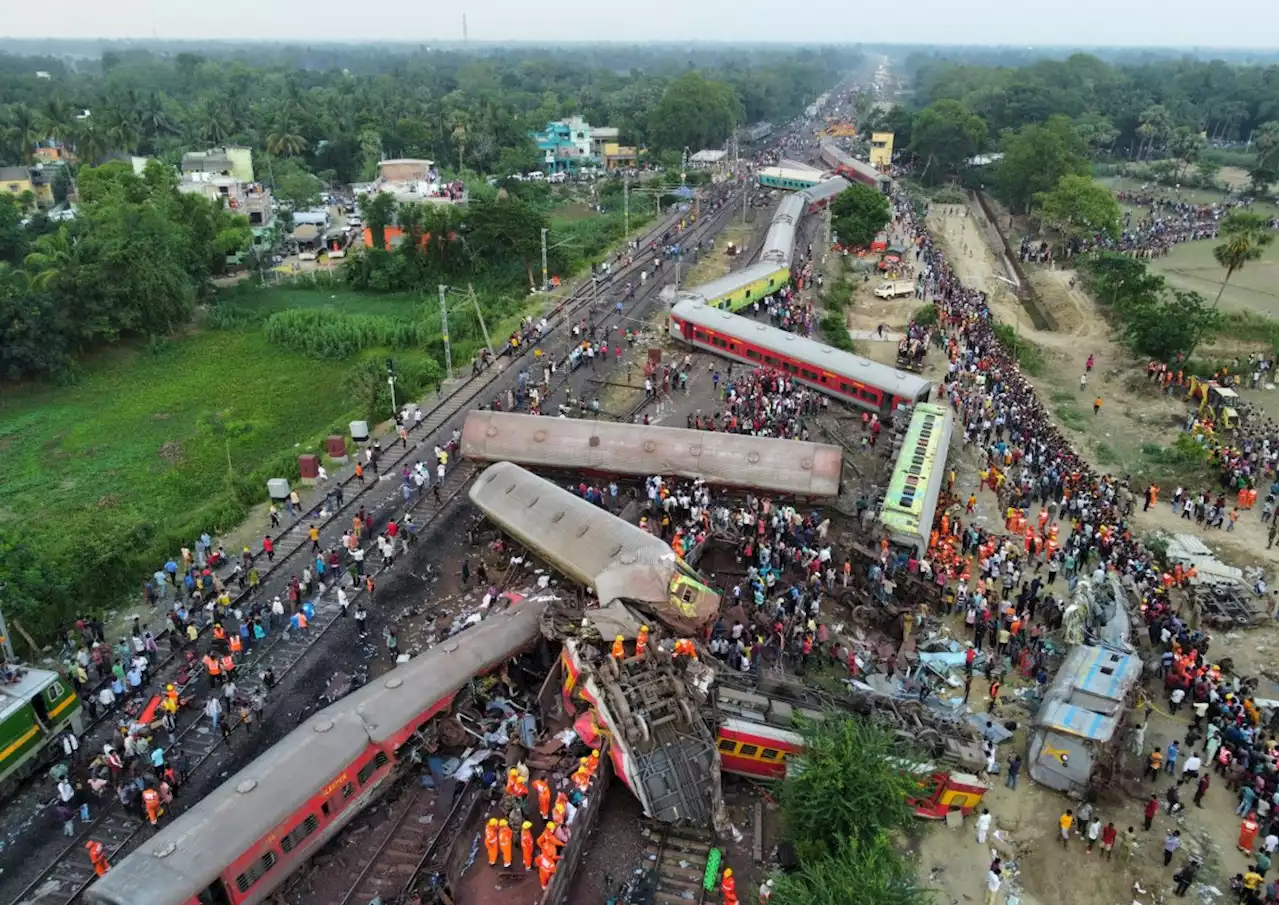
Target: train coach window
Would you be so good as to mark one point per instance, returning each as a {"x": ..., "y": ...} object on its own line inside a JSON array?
[
  {"x": 300, "y": 832},
  {"x": 728, "y": 745},
  {"x": 749, "y": 750},
  {"x": 770, "y": 754},
  {"x": 367, "y": 771},
  {"x": 700, "y": 334},
  {"x": 246, "y": 880},
  {"x": 753, "y": 354}
]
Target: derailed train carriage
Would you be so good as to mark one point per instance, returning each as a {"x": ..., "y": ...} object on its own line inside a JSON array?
[
  {"x": 615, "y": 559},
  {"x": 244, "y": 839},
  {"x": 804, "y": 470}
]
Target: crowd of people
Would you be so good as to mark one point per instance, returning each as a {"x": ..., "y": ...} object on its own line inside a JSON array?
[{"x": 1168, "y": 222}]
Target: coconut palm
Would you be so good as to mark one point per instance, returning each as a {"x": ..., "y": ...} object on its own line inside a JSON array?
[
  {"x": 283, "y": 142},
  {"x": 1247, "y": 236},
  {"x": 22, "y": 130},
  {"x": 54, "y": 257},
  {"x": 89, "y": 141},
  {"x": 154, "y": 116},
  {"x": 58, "y": 119}
]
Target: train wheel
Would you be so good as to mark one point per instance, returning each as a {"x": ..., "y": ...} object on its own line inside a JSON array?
[
  {"x": 642, "y": 729},
  {"x": 611, "y": 668},
  {"x": 686, "y": 712},
  {"x": 618, "y": 704}
]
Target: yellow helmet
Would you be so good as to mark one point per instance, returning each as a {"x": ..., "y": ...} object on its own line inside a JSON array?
[
  {"x": 493, "y": 821},
  {"x": 728, "y": 872},
  {"x": 503, "y": 823},
  {"x": 526, "y": 825},
  {"x": 551, "y": 826}
]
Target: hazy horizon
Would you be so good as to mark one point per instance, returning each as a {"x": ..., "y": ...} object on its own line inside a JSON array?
[{"x": 1181, "y": 24}]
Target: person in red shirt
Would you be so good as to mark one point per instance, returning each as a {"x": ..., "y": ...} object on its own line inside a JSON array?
[
  {"x": 1108, "y": 840},
  {"x": 269, "y": 547},
  {"x": 1150, "y": 811}
]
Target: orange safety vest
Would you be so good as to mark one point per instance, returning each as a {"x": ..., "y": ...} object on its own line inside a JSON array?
[
  {"x": 211, "y": 665},
  {"x": 219, "y": 633},
  {"x": 235, "y": 644},
  {"x": 228, "y": 664}
]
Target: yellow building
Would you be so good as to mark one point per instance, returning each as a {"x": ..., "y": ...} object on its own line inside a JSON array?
[
  {"x": 16, "y": 180},
  {"x": 618, "y": 157},
  {"x": 881, "y": 150}
]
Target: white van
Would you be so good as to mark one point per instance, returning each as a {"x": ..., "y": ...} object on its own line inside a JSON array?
[
  {"x": 558, "y": 178},
  {"x": 536, "y": 176}
]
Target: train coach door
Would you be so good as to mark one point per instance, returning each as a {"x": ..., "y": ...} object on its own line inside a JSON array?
[{"x": 216, "y": 894}]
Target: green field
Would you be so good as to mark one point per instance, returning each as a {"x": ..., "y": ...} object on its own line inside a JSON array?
[
  {"x": 1254, "y": 288},
  {"x": 338, "y": 298},
  {"x": 120, "y": 466}
]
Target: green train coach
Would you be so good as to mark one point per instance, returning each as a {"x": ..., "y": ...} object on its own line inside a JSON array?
[{"x": 36, "y": 706}]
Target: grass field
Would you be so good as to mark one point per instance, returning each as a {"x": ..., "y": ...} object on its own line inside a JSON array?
[
  {"x": 1194, "y": 196},
  {"x": 1254, "y": 288},
  {"x": 339, "y": 298}
]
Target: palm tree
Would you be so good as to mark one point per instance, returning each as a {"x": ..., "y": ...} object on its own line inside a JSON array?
[
  {"x": 1247, "y": 236},
  {"x": 285, "y": 143},
  {"x": 58, "y": 119},
  {"x": 155, "y": 117},
  {"x": 54, "y": 257},
  {"x": 460, "y": 139},
  {"x": 214, "y": 124},
  {"x": 89, "y": 141},
  {"x": 22, "y": 130}
]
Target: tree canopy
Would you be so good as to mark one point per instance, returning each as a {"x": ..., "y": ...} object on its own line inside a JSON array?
[
  {"x": 944, "y": 135},
  {"x": 1079, "y": 207},
  {"x": 846, "y": 797},
  {"x": 1037, "y": 156},
  {"x": 858, "y": 214}
]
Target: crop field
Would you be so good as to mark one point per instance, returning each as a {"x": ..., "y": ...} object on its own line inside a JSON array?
[{"x": 1254, "y": 288}]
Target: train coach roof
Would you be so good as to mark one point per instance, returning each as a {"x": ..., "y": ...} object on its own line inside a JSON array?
[
  {"x": 732, "y": 282},
  {"x": 615, "y": 558},
  {"x": 828, "y": 188},
  {"x": 792, "y": 345},
  {"x": 180, "y": 861},
  {"x": 780, "y": 240},
  {"x": 765, "y": 464}
]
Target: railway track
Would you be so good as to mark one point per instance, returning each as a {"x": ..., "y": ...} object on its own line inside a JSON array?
[
  {"x": 69, "y": 873},
  {"x": 676, "y": 864},
  {"x": 292, "y": 535}
]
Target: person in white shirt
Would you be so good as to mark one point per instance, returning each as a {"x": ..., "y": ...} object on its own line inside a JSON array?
[
  {"x": 1191, "y": 769},
  {"x": 984, "y": 826},
  {"x": 1176, "y": 698},
  {"x": 993, "y": 882}
]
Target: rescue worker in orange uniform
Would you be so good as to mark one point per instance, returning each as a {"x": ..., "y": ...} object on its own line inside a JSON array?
[
  {"x": 546, "y": 868},
  {"x": 219, "y": 633},
  {"x": 526, "y": 844},
  {"x": 619, "y": 652},
  {"x": 561, "y": 809},
  {"x": 593, "y": 761},
  {"x": 547, "y": 841},
  {"x": 235, "y": 643},
  {"x": 582, "y": 776},
  {"x": 504, "y": 842},
  {"x": 228, "y": 664},
  {"x": 97, "y": 857},
  {"x": 544, "y": 797},
  {"x": 642, "y": 639},
  {"x": 515, "y": 785},
  {"x": 212, "y": 668},
  {"x": 684, "y": 646},
  {"x": 151, "y": 800},
  {"x": 491, "y": 840},
  {"x": 729, "y": 888},
  {"x": 171, "y": 696}
]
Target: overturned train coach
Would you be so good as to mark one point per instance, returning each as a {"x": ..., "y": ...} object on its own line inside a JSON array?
[
  {"x": 238, "y": 844},
  {"x": 795, "y": 468},
  {"x": 612, "y": 557}
]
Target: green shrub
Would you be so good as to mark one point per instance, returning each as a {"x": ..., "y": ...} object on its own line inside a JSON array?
[
  {"x": 925, "y": 316},
  {"x": 1030, "y": 358},
  {"x": 835, "y": 332},
  {"x": 333, "y": 335}
]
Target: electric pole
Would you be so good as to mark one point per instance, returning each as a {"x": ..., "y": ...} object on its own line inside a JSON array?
[
  {"x": 544, "y": 259},
  {"x": 391, "y": 382},
  {"x": 444, "y": 332},
  {"x": 626, "y": 206},
  {"x": 471, "y": 290}
]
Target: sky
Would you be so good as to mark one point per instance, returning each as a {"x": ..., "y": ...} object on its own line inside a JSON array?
[{"x": 1180, "y": 23}]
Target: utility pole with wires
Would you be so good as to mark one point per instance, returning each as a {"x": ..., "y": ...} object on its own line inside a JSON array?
[
  {"x": 626, "y": 206},
  {"x": 444, "y": 332},
  {"x": 544, "y": 258},
  {"x": 475, "y": 300}
]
